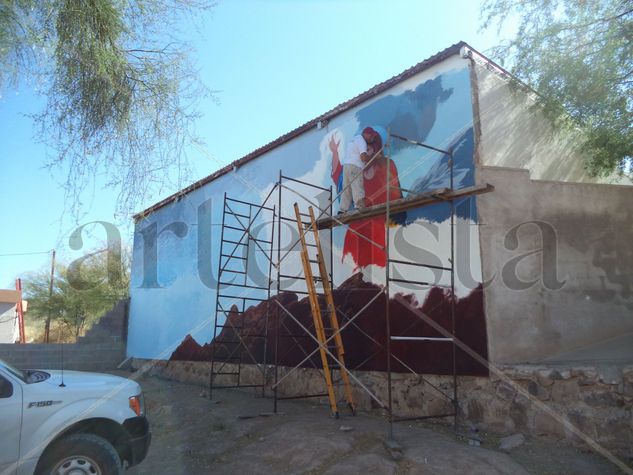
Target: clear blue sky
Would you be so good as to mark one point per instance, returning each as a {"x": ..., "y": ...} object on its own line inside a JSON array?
[{"x": 275, "y": 65}]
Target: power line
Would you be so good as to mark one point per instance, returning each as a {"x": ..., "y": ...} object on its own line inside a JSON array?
[{"x": 25, "y": 253}]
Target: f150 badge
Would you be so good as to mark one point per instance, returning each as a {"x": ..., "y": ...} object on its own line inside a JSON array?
[{"x": 42, "y": 403}]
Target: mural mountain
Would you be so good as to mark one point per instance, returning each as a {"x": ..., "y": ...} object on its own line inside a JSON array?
[{"x": 364, "y": 338}]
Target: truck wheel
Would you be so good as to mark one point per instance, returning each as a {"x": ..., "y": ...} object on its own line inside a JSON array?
[{"x": 81, "y": 454}]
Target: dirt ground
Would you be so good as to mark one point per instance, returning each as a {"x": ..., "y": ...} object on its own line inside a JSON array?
[{"x": 236, "y": 433}]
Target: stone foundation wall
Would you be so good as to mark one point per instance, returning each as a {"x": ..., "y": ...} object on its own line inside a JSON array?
[{"x": 534, "y": 400}]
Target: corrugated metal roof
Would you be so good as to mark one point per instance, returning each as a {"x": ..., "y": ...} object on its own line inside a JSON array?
[{"x": 377, "y": 89}]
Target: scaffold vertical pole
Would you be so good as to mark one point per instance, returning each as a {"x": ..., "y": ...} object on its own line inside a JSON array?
[
  {"x": 270, "y": 268},
  {"x": 217, "y": 293},
  {"x": 277, "y": 312},
  {"x": 453, "y": 267},
  {"x": 387, "y": 277}
]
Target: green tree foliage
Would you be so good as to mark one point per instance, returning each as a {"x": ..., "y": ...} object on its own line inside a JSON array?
[
  {"x": 121, "y": 91},
  {"x": 83, "y": 291},
  {"x": 578, "y": 54}
]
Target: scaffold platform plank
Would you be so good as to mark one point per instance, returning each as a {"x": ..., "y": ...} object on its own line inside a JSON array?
[{"x": 423, "y": 199}]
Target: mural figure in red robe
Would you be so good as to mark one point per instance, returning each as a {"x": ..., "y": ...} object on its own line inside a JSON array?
[{"x": 365, "y": 239}]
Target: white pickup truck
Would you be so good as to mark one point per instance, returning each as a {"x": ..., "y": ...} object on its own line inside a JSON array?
[{"x": 83, "y": 423}]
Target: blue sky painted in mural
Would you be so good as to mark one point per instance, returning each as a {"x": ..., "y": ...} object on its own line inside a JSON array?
[
  {"x": 437, "y": 111},
  {"x": 411, "y": 114},
  {"x": 414, "y": 114},
  {"x": 439, "y": 177}
]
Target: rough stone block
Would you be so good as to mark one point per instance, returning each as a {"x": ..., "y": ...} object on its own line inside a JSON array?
[
  {"x": 495, "y": 375},
  {"x": 511, "y": 442},
  {"x": 475, "y": 411},
  {"x": 546, "y": 377},
  {"x": 626, "y": 389},
  {"x": 505, "y": 391},
  {"x": 587, "y": 372},
  {"x": 538, "y": 391},
  {"x": 627, "y": 374},
  {"x": 602, "y": 398},
  {"x": 497, "y": 414},
  {"x": 545, "y": 424},
  {"x": 566, "y": 392},
  {"x": 519, "y": 414},
  {"x": 522, "y": 372},
  {"x": 582, "y": 420},
  {"x": 610, "y": 375}
]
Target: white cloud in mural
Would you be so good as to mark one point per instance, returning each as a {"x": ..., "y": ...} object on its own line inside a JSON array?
[{"x": 422, "y": 241}]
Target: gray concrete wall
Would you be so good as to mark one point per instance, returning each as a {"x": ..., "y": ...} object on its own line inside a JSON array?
[
  {"x": 77, "y": 356},
  {"x": 576, "y": 288},
  {"x": 101, "y": 349},
  {"x": 514, "y": 133}
]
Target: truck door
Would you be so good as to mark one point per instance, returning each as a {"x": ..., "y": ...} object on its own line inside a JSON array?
[{"x": 11, "y": 417}]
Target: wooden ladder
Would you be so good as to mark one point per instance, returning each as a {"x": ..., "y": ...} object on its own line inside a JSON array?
[{"x": 321, "y": 331}]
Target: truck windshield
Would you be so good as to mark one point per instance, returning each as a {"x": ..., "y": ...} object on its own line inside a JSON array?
[{"x": 14, "y": 371}]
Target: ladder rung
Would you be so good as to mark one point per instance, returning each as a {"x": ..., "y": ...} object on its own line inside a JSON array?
[
  {"x": 228, "y": 326},
  {"x": 420, "y": 418},
  {"x": 414, "y": 282},
  {"x": 298, "y": 277},
  {"x": 420, "y": 338},
  {"x": 228, "y": 198},
  {"x": 304, "y": 396},
  {"x": 419, "y": 264},
  {"x": 235, "y": 242},
  {"x": 234, "y": 342},
  {"x": 225, "y": 359},
  {"x": 237, "y": 386},
  {"x": 225, "y": 312},
  {"x": 233, "y": 257},
  {"x": 432, "y": 284},
  {"x": 233, "y": 284},
  {"x": 288, "y": 276},
  {"x": 233, "y": 213},
  {"x": 224, "y": 282},
  {"x": 318, "y": 307},
  {"x": 239, "y": 297},
  {"x": 236, "y": 229},
  {"x": 232, "y": 271}
]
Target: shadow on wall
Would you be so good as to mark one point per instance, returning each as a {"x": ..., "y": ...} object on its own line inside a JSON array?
[{"x": 516, "y": 134}]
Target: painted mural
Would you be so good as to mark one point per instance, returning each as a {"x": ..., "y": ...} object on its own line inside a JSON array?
[{"x": 173, "y": 319}]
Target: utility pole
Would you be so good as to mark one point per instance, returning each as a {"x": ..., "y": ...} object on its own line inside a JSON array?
[
  {"x": 20, "y": 311},
  {"x": 47, "y": 328}
]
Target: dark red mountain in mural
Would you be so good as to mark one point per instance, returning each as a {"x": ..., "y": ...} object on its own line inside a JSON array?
[{"x": 364, "y": 338}]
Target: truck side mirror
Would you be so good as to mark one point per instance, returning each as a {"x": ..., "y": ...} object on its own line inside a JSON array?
[{"x": 6, "y": 388}]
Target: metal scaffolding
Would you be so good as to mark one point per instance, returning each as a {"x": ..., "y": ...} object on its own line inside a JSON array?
[
  {"x": 322, "y": 200},
  {"x": 238, "y": 246}
]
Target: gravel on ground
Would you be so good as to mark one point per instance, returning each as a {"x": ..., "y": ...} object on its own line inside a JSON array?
[{"x": 236, "y": 432}]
